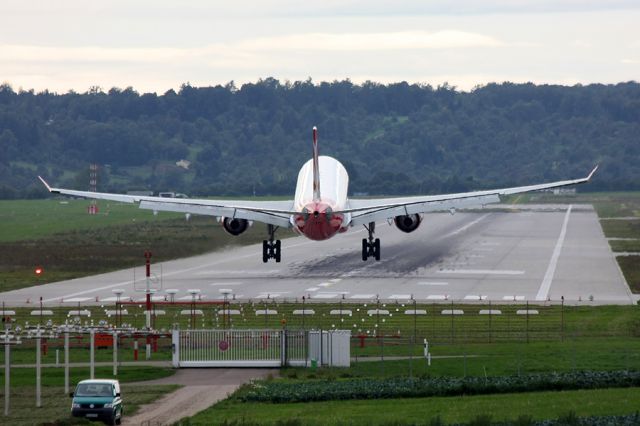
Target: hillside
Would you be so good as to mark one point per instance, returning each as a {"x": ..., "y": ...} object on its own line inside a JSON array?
[{"x": 393, "y": 139}]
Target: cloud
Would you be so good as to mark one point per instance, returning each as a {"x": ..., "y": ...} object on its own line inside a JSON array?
[
  {"x": 630, "y": 61},
  {"x": 246, "y": 49},
  {"x": 448, "y": 39}
]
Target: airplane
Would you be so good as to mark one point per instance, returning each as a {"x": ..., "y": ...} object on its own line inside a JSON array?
[{"x": 320, "y": 208}]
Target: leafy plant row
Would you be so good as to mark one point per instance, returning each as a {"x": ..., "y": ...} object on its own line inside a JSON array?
[{"x": 283, "y": 392}]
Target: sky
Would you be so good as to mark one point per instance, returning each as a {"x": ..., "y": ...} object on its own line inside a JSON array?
[{"x": 157, "y": 45}]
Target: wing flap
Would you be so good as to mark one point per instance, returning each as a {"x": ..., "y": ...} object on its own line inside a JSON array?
[
  {"x": 271, "y": 218},
  {"x": 385, "y": 213}
]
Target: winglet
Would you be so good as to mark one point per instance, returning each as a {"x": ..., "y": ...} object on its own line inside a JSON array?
[
  {"x": 45, "y": 183},
  {"x": 592, "y": 172}
]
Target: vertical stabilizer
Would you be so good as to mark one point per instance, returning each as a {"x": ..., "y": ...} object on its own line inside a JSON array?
[{"x": 316, "y": 167}]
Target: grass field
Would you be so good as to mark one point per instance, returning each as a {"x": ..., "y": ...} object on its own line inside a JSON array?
[
  {"x": 56, "y": 404},
  {"x": 68, "y": 243},
  {"x": 401, "y": 411}
]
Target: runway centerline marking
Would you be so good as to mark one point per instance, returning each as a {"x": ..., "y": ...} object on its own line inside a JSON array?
[
  {"x": 545, "y": 286},
  {"x": 480, "y": 271},
  {"x": 440, "y": 283}
]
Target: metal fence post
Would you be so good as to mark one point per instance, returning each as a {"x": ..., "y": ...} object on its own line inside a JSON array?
[
  {"x": 7, "y": 373},
  {"x": 452, "y": 326},
  {"x": 527, "y": 325},
  {"x": 38, "y": 367},
  {"x": 490, "y": 314},
  {"x": 92, "y": 346},
  {"x": 115, "y": 352},
  {"x": 66, "y": 360}
]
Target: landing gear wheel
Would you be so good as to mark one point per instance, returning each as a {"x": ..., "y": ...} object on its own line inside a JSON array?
[
  {"x": 370, "y": 246},
  {"x": 271, "y": 247},
  {"x": 276, "y": 249},
  {"x": 365, "y": 249}
]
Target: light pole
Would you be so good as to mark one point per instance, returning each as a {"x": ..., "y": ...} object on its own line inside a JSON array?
[
  {"x": 225, "y": 307},
  {"x": 194, "y": 292},
  {"x": 118, "y": 292},
  {"x": 172, "y": 294},
  {"x": 8, "y": 340}
]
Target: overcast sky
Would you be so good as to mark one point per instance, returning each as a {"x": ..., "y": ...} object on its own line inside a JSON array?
[{"x": 156, "y": 45}]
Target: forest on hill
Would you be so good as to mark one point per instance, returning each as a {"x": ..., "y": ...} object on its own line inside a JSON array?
[{"x": 393, "y": 139}]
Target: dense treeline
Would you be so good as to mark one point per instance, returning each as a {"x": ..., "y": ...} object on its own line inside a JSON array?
[{"x": 393, "y": 139}]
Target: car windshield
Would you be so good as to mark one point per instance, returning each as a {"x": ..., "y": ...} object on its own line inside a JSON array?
[{"x": 94, "y": 389}]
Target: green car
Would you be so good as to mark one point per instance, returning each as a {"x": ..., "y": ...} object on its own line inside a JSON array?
[{"x": 98, "y": 399}]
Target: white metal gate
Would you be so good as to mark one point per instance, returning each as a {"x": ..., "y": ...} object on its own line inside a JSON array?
[{"x": 238, "y": 348}]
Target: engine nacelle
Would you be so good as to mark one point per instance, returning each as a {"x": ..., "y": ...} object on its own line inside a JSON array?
[
  {"x": 408, "y": 223},
  {"x": 235, "y": 226}
]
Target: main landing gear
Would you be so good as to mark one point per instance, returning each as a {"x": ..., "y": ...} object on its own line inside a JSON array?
[
  {"x": 370, "y": 247},
  {"x": 271, "y": 247}
]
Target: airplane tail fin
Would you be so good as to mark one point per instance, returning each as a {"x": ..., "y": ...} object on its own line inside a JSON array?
[{"x": 316, "y": 171}]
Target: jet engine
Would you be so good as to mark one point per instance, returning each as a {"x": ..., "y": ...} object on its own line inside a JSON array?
[
  {"x": 235, "y": 226},
  {"x": 408, "y": 223}
]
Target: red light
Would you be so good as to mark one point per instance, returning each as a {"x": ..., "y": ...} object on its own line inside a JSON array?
[{"x": 39, "y": 270}]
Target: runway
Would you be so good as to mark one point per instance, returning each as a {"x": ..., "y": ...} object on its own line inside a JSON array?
[{"x": 538, "y": 254}]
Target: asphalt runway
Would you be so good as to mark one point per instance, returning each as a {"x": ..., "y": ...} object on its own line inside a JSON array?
[{"x": 539, "y": 254}]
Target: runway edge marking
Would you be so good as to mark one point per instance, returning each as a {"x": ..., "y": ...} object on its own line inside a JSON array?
[{"x": 545, "y": 286}]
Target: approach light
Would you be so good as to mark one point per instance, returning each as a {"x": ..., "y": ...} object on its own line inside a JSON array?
[{"x": 39, "y": 270}]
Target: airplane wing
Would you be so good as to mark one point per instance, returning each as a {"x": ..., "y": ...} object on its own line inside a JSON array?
[
  {"x": 372, "y": 210},
  {"x": 270, "y": 212}
]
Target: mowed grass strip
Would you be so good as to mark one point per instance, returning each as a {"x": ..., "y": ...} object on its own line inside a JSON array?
[
  {"x": 630, "y": 266},
  {"x": 538, "y": 405},
  {"x": 614, "y": 228},
  {"x": 34, "y": 219}
]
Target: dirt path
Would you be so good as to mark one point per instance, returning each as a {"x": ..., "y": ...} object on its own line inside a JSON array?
[{"x": 203, "y": 387}]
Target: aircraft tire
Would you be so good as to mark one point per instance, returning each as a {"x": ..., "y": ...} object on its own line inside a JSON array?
[
  {"x": 376, "y": 248},
  {"x": 365, "y": 249},
  {"x": 276, "y": 250},
  {"x": 265, "y": 251}
]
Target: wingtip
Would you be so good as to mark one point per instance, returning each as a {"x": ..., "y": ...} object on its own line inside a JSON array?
[
  {"x": 593, "y": 171},
  {"x": 45, "y": 183}
]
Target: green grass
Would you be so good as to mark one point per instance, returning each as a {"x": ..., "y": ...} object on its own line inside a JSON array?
[
  {"x": 34, "y": 219},
  {"x": 54, "y": 376},
  {"x": 630, "y": 266},
  {"x": 621, "y": 228},
  {"x": 56, "y": 405},
  {"x": 553, "y": 323},
  {"x": 498, "y": 359},
  {"x": 538, "y": 405},
  {"x": 625, "y": 245},
  {"x": 68, "y": 243}
]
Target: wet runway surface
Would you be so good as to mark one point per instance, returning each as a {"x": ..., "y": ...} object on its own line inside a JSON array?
[{"x": 534, "y": 254}]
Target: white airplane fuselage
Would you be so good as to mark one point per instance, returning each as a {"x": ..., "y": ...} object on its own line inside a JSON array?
[{"x": 316, "y": 220}]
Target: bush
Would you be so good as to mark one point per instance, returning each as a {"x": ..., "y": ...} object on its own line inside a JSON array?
[{"x": 325, "y": 390}]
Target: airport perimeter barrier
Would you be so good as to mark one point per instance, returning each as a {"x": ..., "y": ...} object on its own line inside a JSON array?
[
  {"x": 392, "y": 355},
  {"x": 440, "y": 323}
]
